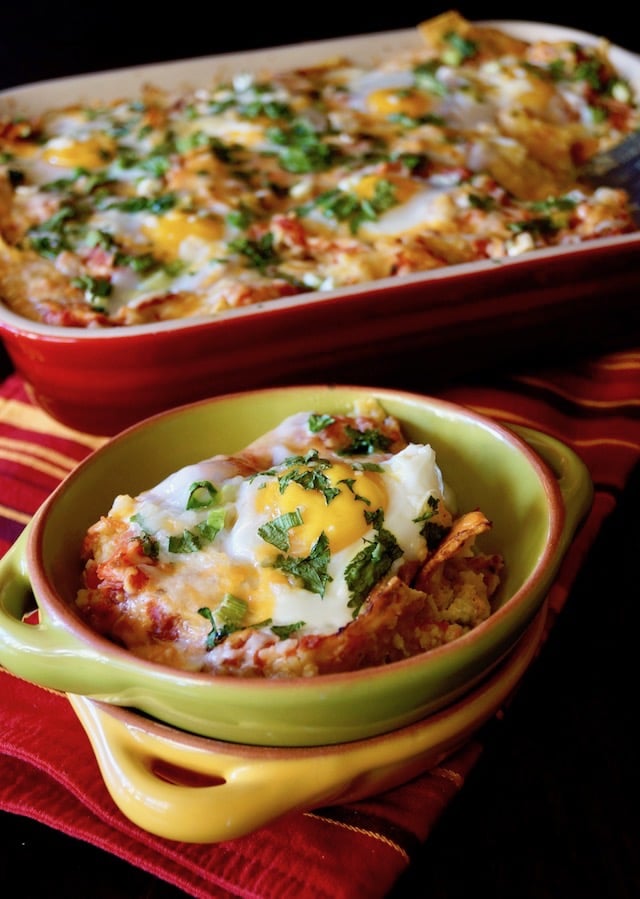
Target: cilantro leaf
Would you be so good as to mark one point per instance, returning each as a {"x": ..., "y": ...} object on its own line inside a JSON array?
[
  {"x": 311, "y": 476},
  {"x": 260, "y": 253},
  {"x": 318, "y": 423},
  {"x": 225, "y": 619},
  {"x": 150, "y": 545},
  {"x": 364, "y": 442},
  {"x": 283, "y": 631},
  {"x": 276, "y": 532},
  {"x": 312, "y": 570},
  {"x": 371, "y": 563}
]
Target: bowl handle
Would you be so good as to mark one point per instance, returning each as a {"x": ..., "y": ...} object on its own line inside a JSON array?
[
  {"x": 206, "y": 791},
  {"x": 18, "y": 637},
  {"x": 573, "y": 476},
  {"x": 47, "y": 652},
  {"x": 213, "y": 793}
]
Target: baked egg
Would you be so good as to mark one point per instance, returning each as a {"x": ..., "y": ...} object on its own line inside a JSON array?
[
  {"x": 322, "y": 544},
  {"x": 298, "y": 544}
]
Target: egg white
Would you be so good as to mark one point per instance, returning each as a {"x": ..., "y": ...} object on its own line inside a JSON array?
[
  {"x": 361, "y": 87},
  {"x": 430, "y": 208},
  {"x": 231, "y": 562}
]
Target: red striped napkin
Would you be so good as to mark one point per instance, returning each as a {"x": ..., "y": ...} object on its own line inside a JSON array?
[{"x": 48, "y": 771}]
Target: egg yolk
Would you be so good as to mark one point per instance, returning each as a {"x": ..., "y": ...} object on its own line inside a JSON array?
[
  {"x": 390, "y": 101},
  {"x": 404, "y": 188},
  {"x": 253, "y": 584},
  {"x": 341, "y": 518},
  {"x": 168, "y": 232},
  {"x": 92, "y": 153},
  {"x": 537, "y": 97}
]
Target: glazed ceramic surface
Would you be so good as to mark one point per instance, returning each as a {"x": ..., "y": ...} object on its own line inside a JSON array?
[
  {"x": 189, "y": 788},
  {"x": 535, "y": 504},
  {"x": 457, "y": 317}
]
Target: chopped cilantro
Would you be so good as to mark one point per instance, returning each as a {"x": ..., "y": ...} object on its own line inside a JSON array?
[
  {"x": 225, "y": 619},
  {"x": 349, "y": 482},
  {"x": 407, "y": 121},
  {"x": 458, "y": 49},
  {"x": 432, "y": 532},
  {"x": 312, "y": 570},
  {"x": 310, "y": 476},
  {"x": 365, "y": 442},
  {"x": 15, "y": 177},
  {"x": 319, "y": 422},
  {"x": 301, "y": 149},
  {"x": 258, "y": 253},
  {"x": 485, "y": 203},
  {"x": 276, "y": 531},
  {"x": 150, "y": 546},
  {"x": 344, "y": 206},
  {"x": 371, "y": 563},
  {"x": 186, "y": 542},
  {"x": 283, "y": 631},
  {"x": 155, "y": 205},
  {"x": 240, "y": 218},
  {"x": 426, "y": 77},
  {"x": 538, "y": 225},
  {"x": 95, "y": 289}
]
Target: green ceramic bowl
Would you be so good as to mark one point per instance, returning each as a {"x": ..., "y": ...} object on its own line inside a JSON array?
[{"x": 534, "y": 489}]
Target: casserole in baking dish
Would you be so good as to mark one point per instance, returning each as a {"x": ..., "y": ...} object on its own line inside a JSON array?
[{"x": 381, "y": 194}]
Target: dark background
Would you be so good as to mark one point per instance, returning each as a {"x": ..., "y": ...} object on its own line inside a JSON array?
[
  {"x": 550, "y": 811},
  {"x": 48, "y": 39}
]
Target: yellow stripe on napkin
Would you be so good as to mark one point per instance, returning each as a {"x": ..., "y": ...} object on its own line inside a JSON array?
[
  {"x": 32, "y": 418},
  {"x": 14, "y": 515},
  {"x": 30, "y": 454}
]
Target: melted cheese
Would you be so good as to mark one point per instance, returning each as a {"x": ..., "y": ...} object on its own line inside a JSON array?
[
  {"x": 254, "y": 564},
  {"x": 202, "y": 200}
]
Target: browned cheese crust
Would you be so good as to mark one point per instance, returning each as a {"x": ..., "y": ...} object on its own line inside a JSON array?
[{"x": 168, "y": 205}]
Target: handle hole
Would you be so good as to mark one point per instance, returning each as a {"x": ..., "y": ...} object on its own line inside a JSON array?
[{"x": 183, "y": 777}]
